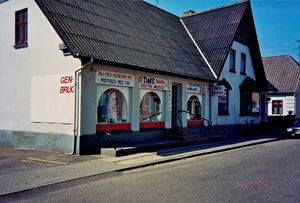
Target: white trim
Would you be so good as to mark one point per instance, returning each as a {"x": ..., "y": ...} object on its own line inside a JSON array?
[{"x": 198, "y": 49}]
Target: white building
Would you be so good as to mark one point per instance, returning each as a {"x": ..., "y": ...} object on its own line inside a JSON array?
[
  {"x": 227, "y": 38},
  {"x": 283, "y": 75},
  {"x": 73, "y": 71}
]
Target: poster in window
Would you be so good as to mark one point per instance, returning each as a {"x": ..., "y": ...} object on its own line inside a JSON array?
[{"x": 255, "y": 102}]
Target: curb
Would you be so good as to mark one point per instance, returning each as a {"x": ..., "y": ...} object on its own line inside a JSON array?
[{"x": 147, "y": 164}]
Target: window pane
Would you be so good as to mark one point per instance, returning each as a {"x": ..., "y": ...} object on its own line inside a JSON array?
[
  {"x": 25, "y": 32},
  {"x": 243, "y": 63},
  {"x": 25, "y": 15},
  {"x": 275, "y": 110},
  {"x": 150, "y": 108},
  {"x": 232, "y": 60},
  {"x": 112, "y": 107},
  {"x": 20, "y": 33},
  {"x": 194, "y": 107},
  {"x": 280, "y": 109},
  {"x": 20, "y": 17},
  {"x": 223, "y": 104},
  {"x": 255, "y": 102}
]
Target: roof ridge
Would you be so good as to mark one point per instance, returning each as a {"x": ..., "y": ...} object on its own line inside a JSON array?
[
  {"x": 276, "y": 56},
  {"x": 216, "y": 8}
]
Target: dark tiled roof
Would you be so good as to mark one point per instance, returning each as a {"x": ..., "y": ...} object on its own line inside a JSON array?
[
  {"x": 283, "y": 73},
  {"x": 126, "y": 32},
  {"x": 215, "y": 30}
]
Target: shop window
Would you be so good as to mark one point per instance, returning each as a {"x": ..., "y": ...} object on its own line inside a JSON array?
[
  {"x": 232, "y": 60},
  {"x": 150, "y": 108},
  {"x": 243, "y": 64},
  {"x": 194, "y": 108},
  {"x": 277, "y": 107},
  {"x": 223, "y": 103},
  {"x": 112, "y": 107},
  {"x": 21, "y": 30},
  {"x": 250, "y": 102}
]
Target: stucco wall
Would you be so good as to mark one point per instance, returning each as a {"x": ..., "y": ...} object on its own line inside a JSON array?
[
  {"x": 297, "y": 101},
  {"x": 288, "y": 102},
  {"x": 235, "y": 80},
  {"x": 18, "y": 66}
]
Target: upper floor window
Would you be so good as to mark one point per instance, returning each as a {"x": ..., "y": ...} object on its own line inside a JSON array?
[
  {"x": 21, "y": 35},
  {"x": 232, "y": 60},
  {"x": 243, "y": 63},
  {"x": 277, "y": 107}
]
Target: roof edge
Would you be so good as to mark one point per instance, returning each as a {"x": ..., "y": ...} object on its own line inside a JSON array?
[
  {"x": 216, "y": 8},
  {"x": 160, "y": 8}
]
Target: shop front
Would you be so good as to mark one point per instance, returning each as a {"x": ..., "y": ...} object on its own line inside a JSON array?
[{"x": 135, "y": 106}]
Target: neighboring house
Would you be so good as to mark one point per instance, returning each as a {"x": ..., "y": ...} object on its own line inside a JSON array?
[
  {"x": 227, "y": 37},
  {"x": 283, "y": 75},
  {"x": 73, "y": 71}
]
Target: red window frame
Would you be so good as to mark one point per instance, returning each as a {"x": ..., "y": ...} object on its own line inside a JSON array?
[
  {"x": 21, "y": 23},
  {"x": 275, "y": 103}
]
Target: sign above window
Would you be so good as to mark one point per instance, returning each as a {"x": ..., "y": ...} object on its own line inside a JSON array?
[
  {"x": 196, "y": 88},
  {"x": 219, "y": 90},
  {"x": 113, "y": 78},
  {"x": 152, "y": 83}
]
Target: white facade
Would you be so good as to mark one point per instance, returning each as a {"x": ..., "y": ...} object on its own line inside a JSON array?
[
  {"x": 297, "y": 101},
  {"x": 235, "y": 80},
  {"x": 29, "y": 75},
  {"x": 288, "y": 104}
]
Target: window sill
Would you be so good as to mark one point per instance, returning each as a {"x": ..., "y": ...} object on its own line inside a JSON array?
[
  {"x": 243, "y": 74},
  {"x": 232, "y": 71},
  {"x": 250, "y": 114},
  {"x": 19, "y": 46},
  {"x": 223, "y": 114}
]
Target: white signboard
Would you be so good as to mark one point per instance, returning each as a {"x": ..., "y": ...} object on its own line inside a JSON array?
[
  {"x": 153, "y": 83},
  {"x": 219, "y": 90},
  {"x": 113, "y": 78},
  {"x": 196, "y": 88},
  {"x": 52, "y": 98}
]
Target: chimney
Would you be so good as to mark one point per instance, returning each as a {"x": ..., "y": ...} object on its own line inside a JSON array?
[{"x": 189, "y": 12}]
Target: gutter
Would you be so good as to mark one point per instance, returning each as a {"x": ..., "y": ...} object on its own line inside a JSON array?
[{"x": 76, "y": 107}]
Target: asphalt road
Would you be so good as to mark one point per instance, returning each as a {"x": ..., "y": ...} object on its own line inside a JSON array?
[{"x": 262, "y": 173}]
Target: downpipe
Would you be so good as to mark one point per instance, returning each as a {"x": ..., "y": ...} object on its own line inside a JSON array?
[{"x": 76, "y": 107}]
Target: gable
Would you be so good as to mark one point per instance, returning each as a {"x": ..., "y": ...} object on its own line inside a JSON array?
[
  {"x": 215, "y": 30},
  {"x": 133, "y": 33}
]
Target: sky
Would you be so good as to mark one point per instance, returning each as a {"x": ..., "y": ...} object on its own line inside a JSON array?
[{"x": 277, "y": 21}]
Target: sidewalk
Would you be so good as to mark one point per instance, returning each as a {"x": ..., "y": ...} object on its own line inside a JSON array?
[{"x": 67, "y": 167}]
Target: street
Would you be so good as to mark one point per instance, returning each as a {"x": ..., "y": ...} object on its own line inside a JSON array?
[{"x": 262, "y": 173}]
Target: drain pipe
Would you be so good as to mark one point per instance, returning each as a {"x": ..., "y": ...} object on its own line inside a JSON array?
[{"x": 76, "y": 107}]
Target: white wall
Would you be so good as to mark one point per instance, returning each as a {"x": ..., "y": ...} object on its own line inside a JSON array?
[
  {"x": 235, "y": 80},
  {"x": 297, "y": 100},
  {"x": 288, "y": 102},
  {"x": 18, "y": 67}
]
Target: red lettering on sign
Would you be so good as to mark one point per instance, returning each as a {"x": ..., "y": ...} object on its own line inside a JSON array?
[
  {"x": 67, "y": 89},
  {"x": 66, "y": 79}
]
